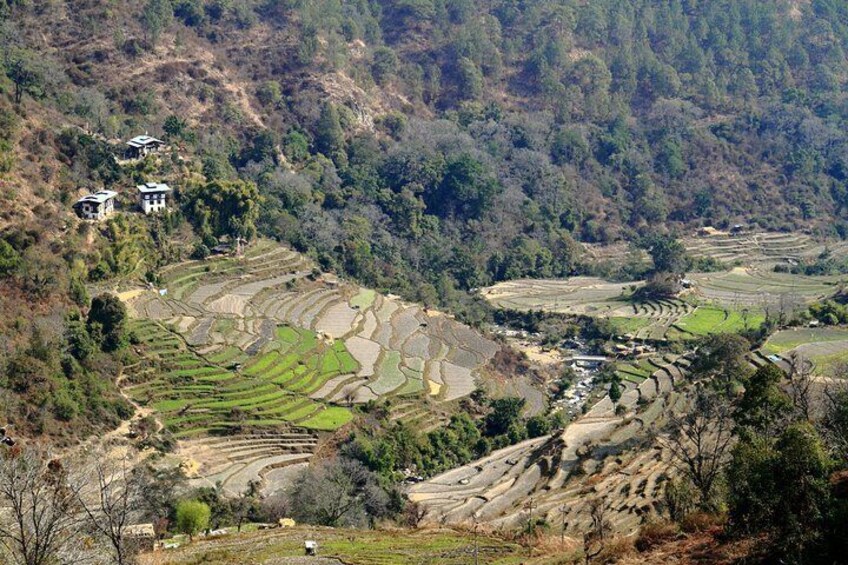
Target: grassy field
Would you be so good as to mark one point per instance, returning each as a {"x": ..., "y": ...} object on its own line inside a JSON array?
[
  {"x": 360, "y": 547},
  {"x": 707, "y": 320}
]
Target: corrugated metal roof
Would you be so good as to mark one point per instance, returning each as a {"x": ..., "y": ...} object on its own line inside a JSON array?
[
  {"x": 98, "y": 197},
  {"x": 153, "y": 187},
  {"x": 143, "y": 141}
]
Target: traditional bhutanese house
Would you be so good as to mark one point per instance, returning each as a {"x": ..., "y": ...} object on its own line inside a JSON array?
[
  {"x": 142, "y": 145},
  {"x": 96, "y": 206},
  {"x": 140, "y": 538},
  {"x": 153, "y": 196}
]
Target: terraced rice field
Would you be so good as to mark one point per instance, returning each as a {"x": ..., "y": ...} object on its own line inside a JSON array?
[
  {"x": 194, "y": 396},
  {"x": 753, "y": 248},
  {"x": 761, "y": 289},
  {"x": 229, "y": 310},
  {"x": 235, "y": 461},
  {"x": 649, "y": 320},
  {"x": 260, "y": 343},
  {"x": 593, "y": 458},
  {"x": 576, "y": 295},
  {"x": 824, "y": 347},
  {"x": 719, "y": 302}
]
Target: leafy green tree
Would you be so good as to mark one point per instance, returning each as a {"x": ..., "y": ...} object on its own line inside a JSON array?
[
  {"x": 80, "y": 343},
  {"x": 156, "y": 16},
  {"x": 270, "y": 93},
  {"x": 469, "y": 79},
  {"x": 223, "y": 207},
  {"x": 190, "y": 12},
  {"x": 503, "y": 414},
  {"x": 722, "y": 357},
  {"x": 780, "y": 487},
  {"x": 175, "y": 127},
  {"x": 538, "y": 426},
  {"x": 764, "y": 404},
  {"x": 192, "y": 517},
  {"x": 385, "y": 65},
  {"x": 329, "y": 135},
  {"x": 667, "y": 253},
  {"x": 467, "y": 189},
  {"x": 615, "y": 391},
  {"x": 23, "y": 70},
  {"x": 9, "y": 259},
  {"x": 107, "y": 319}
]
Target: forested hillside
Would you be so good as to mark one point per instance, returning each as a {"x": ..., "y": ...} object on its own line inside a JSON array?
[
  {"x": 459, "y": 142},
  {"x": 422, "y": 146}
]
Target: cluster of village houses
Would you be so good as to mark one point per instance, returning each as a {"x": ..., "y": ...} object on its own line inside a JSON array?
[{"x": 152, "y": 196}]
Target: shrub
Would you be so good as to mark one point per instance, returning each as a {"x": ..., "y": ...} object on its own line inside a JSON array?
[
  {"x": 200, "y": 251},
  {"x": 655, "y": 533},
  {"x": 699, "y": 522}
]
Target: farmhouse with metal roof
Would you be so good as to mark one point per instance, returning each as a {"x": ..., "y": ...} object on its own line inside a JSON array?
[
  {"x": 153, "y": 196},
  {"x": 143, "y": 145},
  {"x": 96, "y": 206}
]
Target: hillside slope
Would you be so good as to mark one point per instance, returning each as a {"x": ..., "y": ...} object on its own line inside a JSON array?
[{"x": 430, "y": 145}]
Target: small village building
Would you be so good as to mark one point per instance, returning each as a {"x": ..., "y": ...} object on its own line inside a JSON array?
[
  {"x": 153, "y": 196},
  {"x": 96, "y": 206},
  {"x": 142, "y": 145},
  {"x": 139, "y": 538}
]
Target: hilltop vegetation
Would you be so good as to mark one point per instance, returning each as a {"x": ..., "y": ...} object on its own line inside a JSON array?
[{"x": 430, "y": 145}]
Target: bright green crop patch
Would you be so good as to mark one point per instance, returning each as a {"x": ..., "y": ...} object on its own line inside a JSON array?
[
  {"x": 329, "y": 420},
  {"x": 707, "y": 320},
  {"x": 225, "y": 355},
  {"x": 172, "y": 404},
  {"x": 262, "y": 363},
  {"x": 288, "y": 335},
  {"x": 364, "y": 300},
  {"x": 273, "y": 385},
  {"x": 245, "y": 402},
  {"x": 301, "y": 412},
  {"x": 787, "y": 340}
]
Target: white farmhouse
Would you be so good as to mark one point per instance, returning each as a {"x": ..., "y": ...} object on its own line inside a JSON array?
[
  {"x": 153, "y": 196},
  {"x": 142, "y": 145},
  {"x": 96, "y": 206}
]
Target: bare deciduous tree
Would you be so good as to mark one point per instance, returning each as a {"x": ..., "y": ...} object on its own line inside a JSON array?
[
  {"x": 337, "y": 492},
  {"x": 700, "y": 441},
  {"x": 834, "y": 425},
  {"x": 801, "y": 386},
  {"x": 595, "y": 538},
  {"x": 40, "y": 520},
  {"x": 109, "y": 500}
]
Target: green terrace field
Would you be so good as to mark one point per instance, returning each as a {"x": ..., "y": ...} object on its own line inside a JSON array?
[
  {"x": 707, "y": 320},
  {"x": 363, "y": 547},
  {"x": 194, "y": 395}
]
